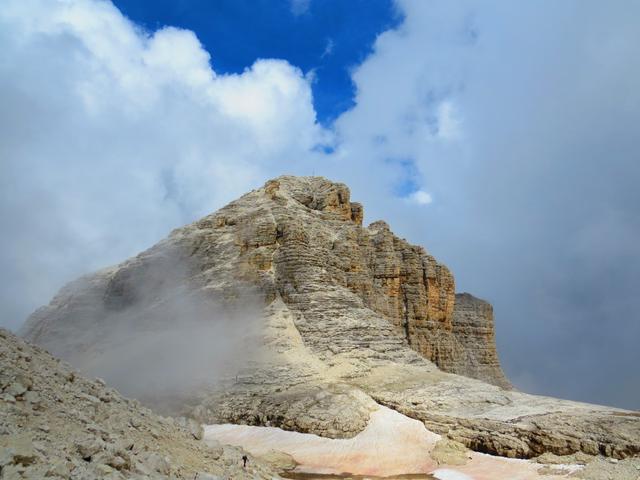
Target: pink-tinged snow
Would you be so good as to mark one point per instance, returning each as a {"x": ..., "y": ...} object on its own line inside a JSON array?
[{"x": 392, "y": 444}]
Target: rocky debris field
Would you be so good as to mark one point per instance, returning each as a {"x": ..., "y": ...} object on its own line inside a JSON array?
[{"x": 55, "y": 423}]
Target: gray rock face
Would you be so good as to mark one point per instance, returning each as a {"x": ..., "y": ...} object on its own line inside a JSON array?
[
  {"x": 81, "y": 429},
  {"x": 350, "y": 316},
  {"x": 474, "y": 333}
]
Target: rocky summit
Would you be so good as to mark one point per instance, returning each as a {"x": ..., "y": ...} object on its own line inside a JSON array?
[{"x": 344, "y": 317}]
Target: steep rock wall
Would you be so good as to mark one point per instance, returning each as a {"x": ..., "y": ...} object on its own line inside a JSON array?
[{"x": 473, "y": 330}]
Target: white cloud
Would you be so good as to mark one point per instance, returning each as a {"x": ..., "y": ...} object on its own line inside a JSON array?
[
  {"x": 447, "y": 121},
  {"x": 420, "y": 197},
  {"x": 111, "y": 136},
  {"x": 300, "y": 7},
  {"x": 328, "y": 48}
]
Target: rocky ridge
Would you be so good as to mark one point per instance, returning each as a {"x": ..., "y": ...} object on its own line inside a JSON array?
[
  {"x": 353, "y": 316},
  {"x": 55, "y": 423}
]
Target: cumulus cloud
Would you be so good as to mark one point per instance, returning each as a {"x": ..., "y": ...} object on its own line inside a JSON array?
[{"x": 112, "y": 135}]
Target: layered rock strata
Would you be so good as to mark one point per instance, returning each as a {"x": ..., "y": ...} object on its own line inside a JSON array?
[
  {"x": 354, "y": 315},
  {"x": 473, "y": 331}
]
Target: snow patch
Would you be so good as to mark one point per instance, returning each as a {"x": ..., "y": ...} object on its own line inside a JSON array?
[{"x": 446, "y": 474}]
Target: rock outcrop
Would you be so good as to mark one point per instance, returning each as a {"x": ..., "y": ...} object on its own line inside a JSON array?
[
  {"x": 353, "y": 316},
  {"x": 473, "y": 330},
  {"x": 55, "y": 423}
]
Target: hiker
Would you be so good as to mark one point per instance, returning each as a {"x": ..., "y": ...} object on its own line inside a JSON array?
[{"x": 244, "y": 461}]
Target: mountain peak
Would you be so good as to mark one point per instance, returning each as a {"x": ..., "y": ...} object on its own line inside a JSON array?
[{"x": 283, "y": 310}]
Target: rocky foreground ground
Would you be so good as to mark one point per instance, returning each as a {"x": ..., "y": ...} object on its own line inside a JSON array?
[{"x": 55, "y": 423}]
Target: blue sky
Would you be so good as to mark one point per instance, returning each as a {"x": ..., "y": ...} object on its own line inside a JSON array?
[
  {"x": 326, "y": 37},
  {"x": 502, "y": 136}
]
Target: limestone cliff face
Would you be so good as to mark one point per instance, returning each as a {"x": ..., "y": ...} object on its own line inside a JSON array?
[
  {"x": 297, "y": 239},
  {"x": 395, "y": 279},
  {"x": 474, "y": 334},
  {"x": 351, "y": 316}
]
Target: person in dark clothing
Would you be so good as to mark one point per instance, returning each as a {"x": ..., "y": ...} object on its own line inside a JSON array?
[{"x": 244, "y": 461}]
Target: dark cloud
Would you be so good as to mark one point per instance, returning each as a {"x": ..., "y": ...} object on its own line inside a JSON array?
[{"x": 536, "y": 205}]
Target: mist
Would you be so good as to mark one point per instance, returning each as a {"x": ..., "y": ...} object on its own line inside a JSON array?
[
  {"x": 152, "y": 330},
  {"x": 181, "y": 348}
]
